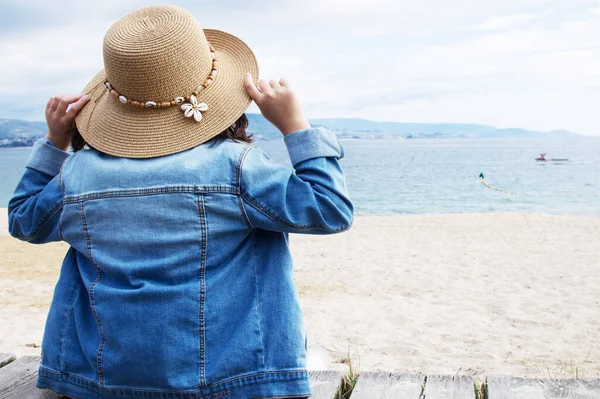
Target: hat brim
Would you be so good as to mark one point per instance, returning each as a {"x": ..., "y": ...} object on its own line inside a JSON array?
[{"x": 127, "y": 131}]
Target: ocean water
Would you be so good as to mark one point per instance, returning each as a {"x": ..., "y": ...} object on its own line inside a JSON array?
[{"x": 442, "y": 176}]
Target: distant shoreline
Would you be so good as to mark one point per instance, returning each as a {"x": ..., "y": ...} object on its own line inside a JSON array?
[
  {"x": 399, "y": 138},
  {"x": 391, "y": 137},
  {"x": 352, "y": 128}
]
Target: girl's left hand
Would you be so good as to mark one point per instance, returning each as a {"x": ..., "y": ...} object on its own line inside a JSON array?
[{"x": 61, "y": 122}]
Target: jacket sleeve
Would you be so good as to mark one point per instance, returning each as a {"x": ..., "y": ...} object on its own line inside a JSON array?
[
  {"x": 36, "y": 205},
  {"x": 309, "y": 198}
]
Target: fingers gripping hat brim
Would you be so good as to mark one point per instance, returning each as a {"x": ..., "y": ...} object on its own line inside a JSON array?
[{"x": 127, "y": 131}]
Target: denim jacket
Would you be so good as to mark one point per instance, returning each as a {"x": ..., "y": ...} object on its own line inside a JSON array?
[{"x": 178, "y": 282}]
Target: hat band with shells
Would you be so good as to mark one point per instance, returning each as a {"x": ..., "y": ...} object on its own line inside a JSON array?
[{"x": 190, "y": 108}]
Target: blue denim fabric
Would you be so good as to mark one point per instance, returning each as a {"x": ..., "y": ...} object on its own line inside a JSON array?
[{"x": 178, "y": 282}]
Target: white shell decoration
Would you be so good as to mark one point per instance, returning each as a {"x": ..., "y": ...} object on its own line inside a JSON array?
[
  {"x": 123, "y": 99},
  {"x": 200, "y": 88},
  {"x": 213, "y": 74},
  {"x": 194, "y": 108},
  {"x": 150, "y": 104},
  {"x": 108, "y": 86},
  {"x": 213, "y": 55},
  {"x": 179, "y": 100}
]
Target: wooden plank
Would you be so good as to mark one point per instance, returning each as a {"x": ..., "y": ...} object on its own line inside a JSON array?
[
  {"x": 449, "y": 387},
  {"x": 382, "y": 385},
  {"x": 325, "y": 383},
  {"x": 17, "y": 380},
  {"x": 6, "y": 358},
  {"x": 514, "y": 388},
  {"x": 571, "y": 389},
  {"x": 520, "y": 388}
]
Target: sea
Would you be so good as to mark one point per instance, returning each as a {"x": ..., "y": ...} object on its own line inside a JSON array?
[{"x": 442, "y": 175}]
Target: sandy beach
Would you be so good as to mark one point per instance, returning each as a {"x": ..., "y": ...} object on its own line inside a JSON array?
[{"x": 473, "y": 294}]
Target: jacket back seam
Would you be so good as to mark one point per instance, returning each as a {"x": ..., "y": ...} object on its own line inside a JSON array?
[
  {"x": 202, "y": 288},
  {"x": 238, "y": 169},
  {"x": 239, "y": 185},
  {"x": 243, "y": 212},
  {"x": 151, "y": 191},
  {"x": 260, "y": 332},
  {"x": 88, "y": 243}
]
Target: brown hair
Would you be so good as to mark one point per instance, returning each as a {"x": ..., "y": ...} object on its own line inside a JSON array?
[{"x": 235, "y": 132}]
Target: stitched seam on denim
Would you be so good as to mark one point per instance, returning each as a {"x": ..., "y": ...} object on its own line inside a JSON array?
[
  {"x": 238, "y": 169},
  {"x": 43, "y": 222},
  {"x": 239, "y": 184},
  {"x": 64, "y": 331},
  {"x": 151, "y": 191},
  {"x": 243, "y": 212},
  {"x": 284, "y": 223},
  {"x": 260, "y": 333},
  {"x": 151, "y": 391},
  {"x": 265, "y": 373},
  {"x": 80, "y": 381},
  {"x": 88, "y": 243},
  {"x": 202, "y": 335}
]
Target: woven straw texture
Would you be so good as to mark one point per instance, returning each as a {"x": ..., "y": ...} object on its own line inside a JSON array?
[{"x": 158, "y": 53}]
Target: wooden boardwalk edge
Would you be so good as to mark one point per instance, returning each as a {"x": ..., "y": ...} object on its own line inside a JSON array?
[
  {"x": 325, "y": 384},
  {"x": 449, "y": 386},
  {"x": 18, "y": 377},
  {"x": 385, "y": 385},
  {"x": 17, "y": 380}
]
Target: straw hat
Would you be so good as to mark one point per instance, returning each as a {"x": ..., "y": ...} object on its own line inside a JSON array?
[{"x": 167, "y": 85}]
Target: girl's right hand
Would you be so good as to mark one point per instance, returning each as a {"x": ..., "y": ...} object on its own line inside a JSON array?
[
  {"x": 61, "y": 119},
  {"x": 278, "y": 104}
]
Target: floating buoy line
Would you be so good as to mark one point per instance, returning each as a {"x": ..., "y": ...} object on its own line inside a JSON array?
[{"x": 482, "y": 180}]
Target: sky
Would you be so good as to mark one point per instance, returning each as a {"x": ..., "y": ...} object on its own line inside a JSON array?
[{"x": 533, "y": 64}]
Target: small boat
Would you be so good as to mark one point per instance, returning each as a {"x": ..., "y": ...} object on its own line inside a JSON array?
[{"x": 543, "y": 158}]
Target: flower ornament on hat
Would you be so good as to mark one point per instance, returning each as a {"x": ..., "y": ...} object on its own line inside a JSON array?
[
  {"x": 167, "y": 85},
  {"x": 193, "y": 108}
]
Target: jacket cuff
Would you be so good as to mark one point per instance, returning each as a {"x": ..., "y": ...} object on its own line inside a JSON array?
[
  {"x": 46, "y": 158},
  {"x": 312, "y": 143}
]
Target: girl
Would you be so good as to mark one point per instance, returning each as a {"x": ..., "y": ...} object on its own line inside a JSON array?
[{"x": 178, "y": 282}]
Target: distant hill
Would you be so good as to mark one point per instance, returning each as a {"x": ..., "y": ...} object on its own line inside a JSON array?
[
  {"x": 17, "y": 132},
  {"x": 404, "y": 128},
  {"x": 432, "y": 130},
  {"x": 13, "y": 128},
  {"x": 362, "y": 128}
]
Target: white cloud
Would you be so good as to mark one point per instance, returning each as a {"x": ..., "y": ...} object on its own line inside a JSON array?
[{"x": 501, "y": 23}]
